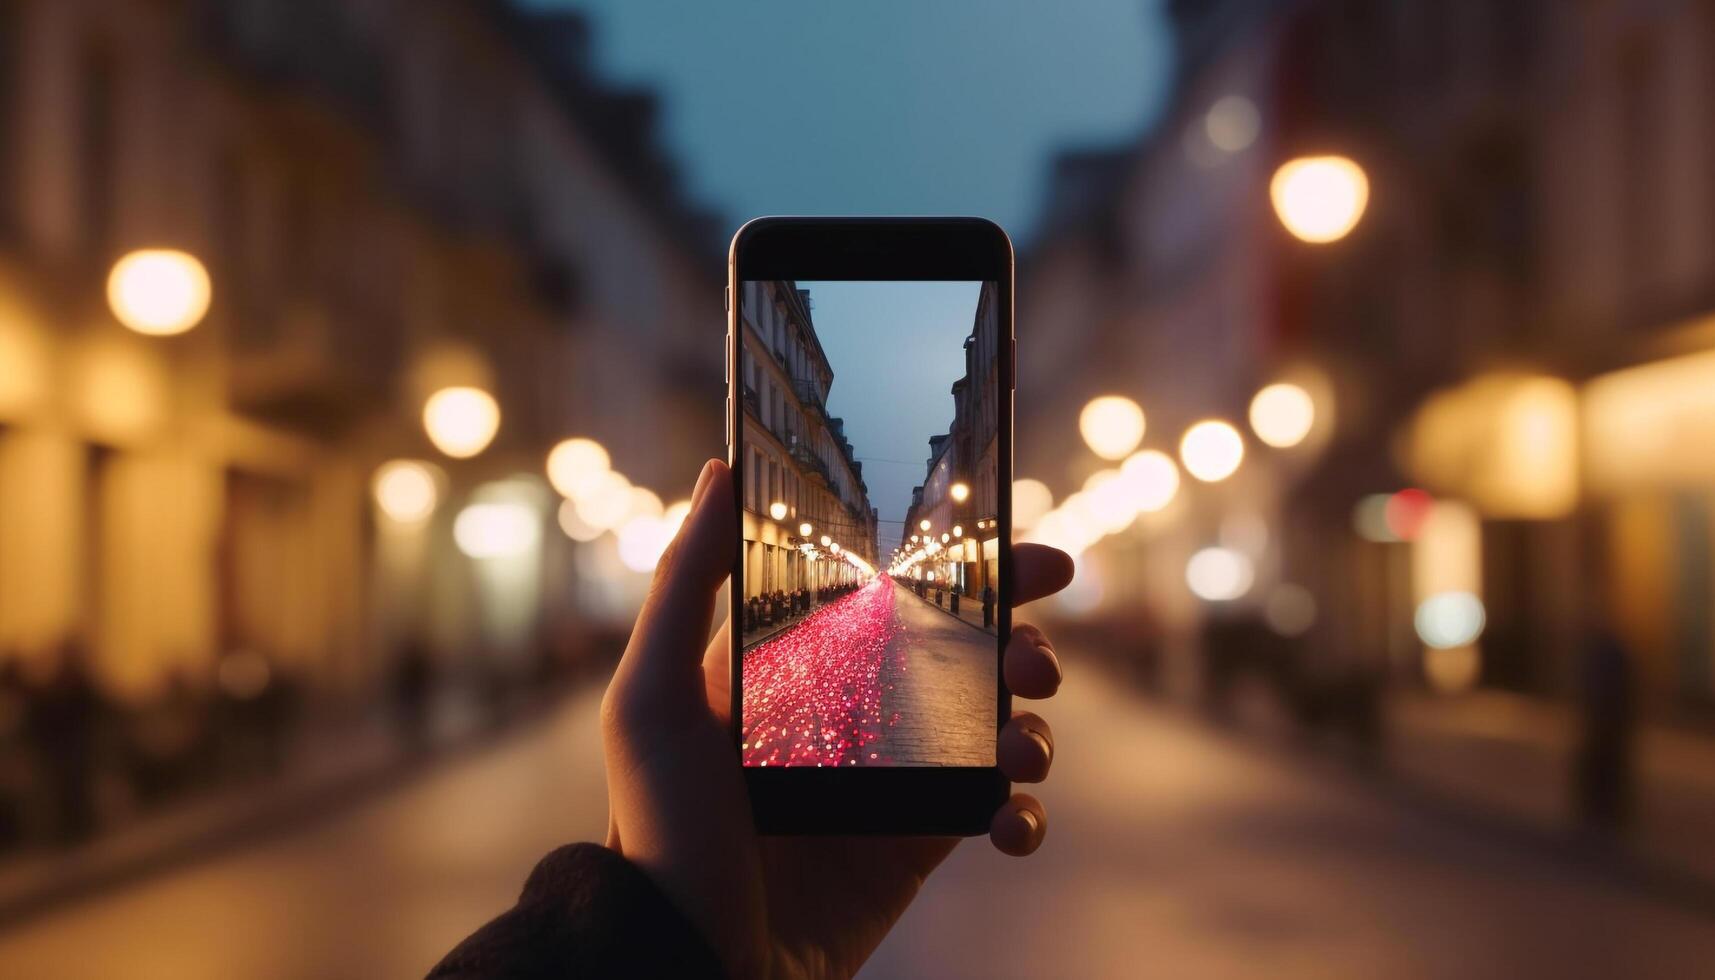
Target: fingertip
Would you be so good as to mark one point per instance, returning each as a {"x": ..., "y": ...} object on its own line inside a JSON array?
[
  {"x": 1019, "y": 826},
  {"x": 1031, "y": 667}
]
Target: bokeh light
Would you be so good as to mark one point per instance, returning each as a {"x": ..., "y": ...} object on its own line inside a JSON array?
[
  {"x": 575, "y": 466},
  {"x": 1320, "y": 199},
  {"x": 1232, "y": 123},
  {"x": 1211, "y": 450},
  {"x": 575, "y": 526},
  {"x": 406, "y": 490},
  {"x": 1219, "y": 574},
  {"x": 1449, "y": 619},
  {"x": 1112, "y": 426},
  {"x": 461, "y": 421},
  {"x": 608, "y": 504},
  {"x": 642, "y": 540},
  {"x": 960, "y": 492},
  {"x": 159, "y": 291},
  {"x": 1290, "y": 610},
  {"x": 1282, "y": 414},
  {"x": 1031, "y": 499},
  {"x": 1152, "y": 479},
  {"x": 496, "y": 530}
]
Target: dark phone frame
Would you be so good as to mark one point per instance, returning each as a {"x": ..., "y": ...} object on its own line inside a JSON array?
[{"x": 940, "y": 801}]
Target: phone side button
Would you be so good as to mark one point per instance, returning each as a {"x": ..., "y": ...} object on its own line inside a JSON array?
[{"x": 728, "y": 417}]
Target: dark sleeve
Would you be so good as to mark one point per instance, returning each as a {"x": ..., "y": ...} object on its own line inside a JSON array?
[{"x": 585, "y": 912}]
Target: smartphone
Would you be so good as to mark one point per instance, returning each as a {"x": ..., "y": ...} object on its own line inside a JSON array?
[{"x": 869, "y": 421}]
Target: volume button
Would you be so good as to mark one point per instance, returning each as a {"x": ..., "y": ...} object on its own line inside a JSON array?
[{"x": 729, "y": 420}]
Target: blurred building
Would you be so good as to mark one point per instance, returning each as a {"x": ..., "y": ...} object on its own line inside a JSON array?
[
  {"x": 389, "y": 198},
  {"x": 798, "y": 468},
  {"x": 1516, "y": 332}
]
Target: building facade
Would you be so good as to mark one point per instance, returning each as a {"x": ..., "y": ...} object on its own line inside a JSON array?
[
  {"x": 804, "y": 493},
  {"x": 388, "y": 198}
]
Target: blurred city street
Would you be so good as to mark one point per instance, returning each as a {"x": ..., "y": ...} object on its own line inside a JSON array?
[{"x": 1174, "y": 851}]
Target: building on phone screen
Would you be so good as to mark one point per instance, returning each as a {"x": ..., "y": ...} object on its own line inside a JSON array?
[
  {"x": 955, "y": 510},
  {"x": 805, "y": 501}
]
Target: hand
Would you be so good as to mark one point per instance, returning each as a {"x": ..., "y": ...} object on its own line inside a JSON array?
[{"x": 775, "y": 906}]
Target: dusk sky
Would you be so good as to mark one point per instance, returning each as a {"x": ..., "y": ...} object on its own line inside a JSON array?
[
  {"x": 887, "y": 107},
  {"x": 896, "y": 349}
]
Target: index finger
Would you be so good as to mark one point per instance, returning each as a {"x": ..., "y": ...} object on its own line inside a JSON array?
[{"x": 1038, "y": 571}]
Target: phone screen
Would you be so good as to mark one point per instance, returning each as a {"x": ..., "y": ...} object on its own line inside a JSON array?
[{"x": 870, "y": 441}]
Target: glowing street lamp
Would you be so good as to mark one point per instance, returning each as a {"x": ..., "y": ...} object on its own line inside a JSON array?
[
  {"x": 1282, "y": 414},
  {"x": 1211, "y": 450},
  {"x": 826, "y": 541},
  {"x": 804, "y": 529},
  {"x": 958, "y": 532},
  {"x": 575, "y": 467},
  {"x": 1112, "y": 426},
  {"x": 960, "y": 492},
  {"x": 406, "y": 491},
  {"x": 461, "y": 422},
  {"x": 923, "y": 525},
  {"x": 1320, "y": 199},
  {"x": 777, "y": 510},
  {"x": 159, "y": 291}
]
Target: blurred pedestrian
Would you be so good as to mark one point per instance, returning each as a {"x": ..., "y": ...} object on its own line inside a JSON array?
[
  {"x": 413, "y": 690},
  {"x": 64, "y": 725},
  {"x": 988, "y": 606},
  {"x": 1604, "y": 762}
]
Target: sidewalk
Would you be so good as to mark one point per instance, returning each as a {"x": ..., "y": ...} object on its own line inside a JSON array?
[
  {"x": 1513, "y": 756},
  {"x": 970, "y": 609},
  {"x": 329, "y": 768}
]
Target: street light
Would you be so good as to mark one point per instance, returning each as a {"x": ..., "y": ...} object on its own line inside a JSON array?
[
  {"x": 159, "y": 291},
  {"x": 826, "y": 541},
  {"x": 923, "y": 525},
  {"x": 958, "y": 532},
  {"x": 960, "y": 492},
  {"x": 406, "y": 491},
  {"x": 1112, "y": 426},
  {"x": 777, "y": 510},
  {"x": 461, "y": 422},
  {"x": 1282, "y": 414},
  {"x": 1211, "y": 450},
  {"x": 804, "y": 529},
  {"x": 575, "y": 467},
  {"x": 1319, "y": 199},
  {"x": 945, "y": 537}
]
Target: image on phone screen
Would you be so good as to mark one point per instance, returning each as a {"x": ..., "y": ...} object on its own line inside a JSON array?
[{"x": 870, "y": 449}]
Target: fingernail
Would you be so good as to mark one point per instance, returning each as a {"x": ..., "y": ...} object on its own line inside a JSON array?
[
  {"x": 1030, "y": 818},
  {"x": 1042, "y": 740},
  {"x": 1053, "y": 661}
]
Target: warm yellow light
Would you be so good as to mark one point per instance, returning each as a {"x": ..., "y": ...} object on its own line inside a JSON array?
[
  {"x": 1211, "y": 450},
  {"x": 835, "y": 547},
  {"x": 958, "y": 532},
  {"x": 1031, "y": 501},
  {"x": 923, "y": 525},
  {"x": 609, "y": 504},
  {"x": 914, "y": 539},
  {"x": 642, "y": 541},
  {"x": 1282, "y": 414},
  {"x": 804, "y": 529},
  {"x": 674, "y": 517},
  {"x": 642, "y": 502},
  {"x": 1219, "y": 574},
  {"x": 1151, "y": 479},
  {"x": 159, "y": 291},
  {"x": 1112, "y": 426},
  {"x": 406, "y": 491},
  {"x": 497, "y": 530},
  {"x": 1320, "y": 199},
  {"x": 461, "y": 422},
  {"x": 960, "y": 492},
  {"x": 575, "y": 526},
  {"x": 777, "y": 510},
  {"x": 575, "y": 466},
  {"x": 945, "y": 537},
  {"x": 1453, "y": 670}
]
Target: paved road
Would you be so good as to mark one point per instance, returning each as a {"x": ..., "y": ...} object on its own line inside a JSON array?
[
  {"x": 1173, "y": 853},
  {"x": 877, "y": 677}
]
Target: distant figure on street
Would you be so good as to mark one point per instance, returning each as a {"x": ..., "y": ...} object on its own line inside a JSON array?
[
  {"x": 413, "y": 688},
  {"x": 988, "y": 606},
  {"x": 1604, "y": 765}
]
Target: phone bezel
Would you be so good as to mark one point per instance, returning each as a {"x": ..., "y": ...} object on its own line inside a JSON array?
[{"x": 950, "y": 801}]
